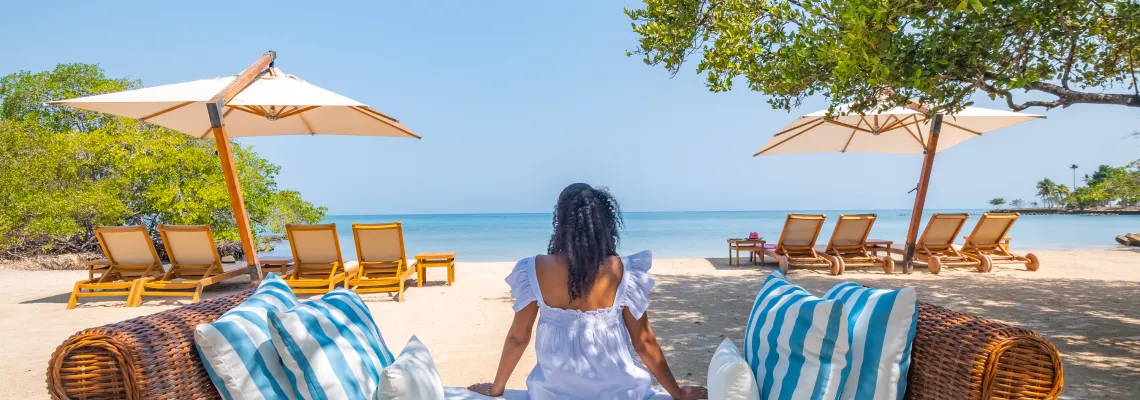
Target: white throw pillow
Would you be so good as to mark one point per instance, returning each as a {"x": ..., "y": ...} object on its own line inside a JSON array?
[
  {"x": 412, "y": 376},
  {"x": 729, "y": 375}
]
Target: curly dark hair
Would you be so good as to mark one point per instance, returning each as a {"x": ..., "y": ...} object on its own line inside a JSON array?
[{"x": 587, "y": 222}]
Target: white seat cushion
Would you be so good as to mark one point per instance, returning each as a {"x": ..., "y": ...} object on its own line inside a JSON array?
[{"x": 461, "y": 393}]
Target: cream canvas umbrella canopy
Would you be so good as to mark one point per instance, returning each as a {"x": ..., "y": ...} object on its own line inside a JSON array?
[
  {"x": 260, "y": 101},
  {"x": 903, "y": 130},
  {"x": 274, "y": 104}
]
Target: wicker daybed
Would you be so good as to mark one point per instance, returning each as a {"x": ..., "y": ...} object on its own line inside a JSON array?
[{"x": 955, "y": 356}]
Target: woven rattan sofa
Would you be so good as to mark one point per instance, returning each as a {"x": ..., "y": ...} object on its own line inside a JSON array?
[{"x": 955, "y": 356}]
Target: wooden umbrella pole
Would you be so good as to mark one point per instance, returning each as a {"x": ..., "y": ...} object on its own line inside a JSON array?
[
  {"x": 920, "y": 197},
  {"x": 225, "y": 154},
  {"x": 237, "y": 199}
]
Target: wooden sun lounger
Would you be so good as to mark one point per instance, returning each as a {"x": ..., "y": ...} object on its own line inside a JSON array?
[
  {"x": 131, "y": 260},
  {"x": 382, "y": 261},
  {"x": 935, "y": 248},
  {"x": 796, "y": 247},
  {"x": 194, "y": 263},
  {"x": 317, "y": 263},
  {"x": 989, "y": 245},
  {"x": 848, "y": 244}
]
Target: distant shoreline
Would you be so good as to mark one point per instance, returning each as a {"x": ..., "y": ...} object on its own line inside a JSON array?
[{"x": 1063, "y": 211}]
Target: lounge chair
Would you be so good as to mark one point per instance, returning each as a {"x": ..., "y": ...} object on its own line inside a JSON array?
[
  {"x": 848, "y": 244},
  {"x": 317, "y": 264},
  {"x": 936, "y": 248},
  {"x": 131, "y": 259},
  {"x": 194, "y": 263},
  {"x": 989, "y": 245},
  {"x": 796, "y": 247},
  {"x": 382, "y": 264}
]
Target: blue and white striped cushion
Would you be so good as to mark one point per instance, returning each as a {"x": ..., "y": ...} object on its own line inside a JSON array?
[
  {"x": 236, "y": 349},
  {"x": 882, "y": 324},
  {"x": 796, "y": 343},
  {"x": 330, "y": 347}
]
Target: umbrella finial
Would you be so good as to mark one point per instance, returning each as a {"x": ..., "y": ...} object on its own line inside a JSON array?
[{"x": 272, "y": 57}]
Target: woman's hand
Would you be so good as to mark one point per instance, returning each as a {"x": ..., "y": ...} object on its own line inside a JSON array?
[
  {"x": 692, "y": 393},
  {"x": 485, "y": 389}
]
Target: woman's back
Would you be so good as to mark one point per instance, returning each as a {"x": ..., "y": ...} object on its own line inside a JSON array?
[
  {"x": 583, "y": 345},
  {"x": 553, "y": 274},
  {"x": 593, "y": 338}
]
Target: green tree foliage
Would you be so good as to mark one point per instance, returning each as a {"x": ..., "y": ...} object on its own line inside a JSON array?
[
  {"x": 997, "y": 202},
  {"x": 1102, "y": 172},
  {"x": 1062, "y": 195},
  {"x": 1047, "y": 190},
  {"x": 1109, "y": 184},
  {"x": 1017, "y": 203},
  {"x": 937, "y": 51},
  {"x": 63, "y": 171}
]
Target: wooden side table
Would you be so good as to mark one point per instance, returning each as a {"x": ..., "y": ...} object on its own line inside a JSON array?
[
  {"x": 278, "y": 264},
  {"x": 428, "y": 260},
  {"x": 876, "y": 245},
  {"x": 101, "y": 266},
  {"x": 753, "y": 246}
]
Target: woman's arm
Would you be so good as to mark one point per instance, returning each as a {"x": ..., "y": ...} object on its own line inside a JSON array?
[
  {"x": 646, "y": 346},
  {"x": 518, "y": 338}
]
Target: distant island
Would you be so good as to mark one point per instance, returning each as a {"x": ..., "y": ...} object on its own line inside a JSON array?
[
  {"x": 1071, "y": 211},
  {"x": 1107, "y": 191}
]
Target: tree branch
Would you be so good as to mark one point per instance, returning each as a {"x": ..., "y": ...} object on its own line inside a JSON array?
[
  {"x": 1069, "y": 97},
  {"x": 1069, "y": 60},
  {"x": 985, "y": 87},
  {"x": 1065, "y": 97}
]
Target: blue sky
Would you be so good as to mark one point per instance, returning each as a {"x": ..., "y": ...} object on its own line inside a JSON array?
[{"x": 517, "y": 99}]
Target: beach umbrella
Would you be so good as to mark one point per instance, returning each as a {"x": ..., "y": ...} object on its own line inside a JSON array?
[
  {"x": 902, "y": 130},
  {"x": 260, "y": 101}
]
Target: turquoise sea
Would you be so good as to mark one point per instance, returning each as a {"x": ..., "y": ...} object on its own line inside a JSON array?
[{"x": 508, "y": 237}]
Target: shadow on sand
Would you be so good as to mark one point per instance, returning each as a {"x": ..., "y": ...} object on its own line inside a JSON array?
[
  {"x": 216, "y": 290},
  {"x": 1095, "y": 324}
]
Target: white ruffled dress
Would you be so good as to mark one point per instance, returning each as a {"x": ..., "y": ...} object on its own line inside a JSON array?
[{"x": 587, "y": 354}]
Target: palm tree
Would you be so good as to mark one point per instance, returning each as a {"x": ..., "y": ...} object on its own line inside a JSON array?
[
  {"x": 1074, "y": 168},
  {"x": 1061, "y": 195},
  {"x": 1046, "y": 188}
]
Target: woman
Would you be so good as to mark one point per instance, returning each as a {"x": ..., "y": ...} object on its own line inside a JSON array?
[{"x": 591, "y": 311}]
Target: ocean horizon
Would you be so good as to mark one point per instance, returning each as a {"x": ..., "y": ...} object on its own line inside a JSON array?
[{"x": 697, "y": 234}]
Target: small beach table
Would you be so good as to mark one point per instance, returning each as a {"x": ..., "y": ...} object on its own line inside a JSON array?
[
  {"x": 278, "y": 264},
  {"x": 876, "y": 245},
  {"x": 101, "y": 266},
  {"x": 439, "y": 259},
  {"x": 754, "y": 247}
]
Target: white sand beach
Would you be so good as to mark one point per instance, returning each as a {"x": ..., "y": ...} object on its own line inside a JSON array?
[{"x": 1084, "y": 301}]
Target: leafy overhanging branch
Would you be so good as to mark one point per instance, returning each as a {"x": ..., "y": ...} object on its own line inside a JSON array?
[{"x": 939, "y": 52}]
